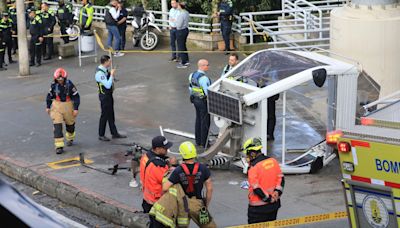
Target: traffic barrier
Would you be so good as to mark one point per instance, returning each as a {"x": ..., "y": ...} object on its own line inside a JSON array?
[{"x": 298, "y": 220}]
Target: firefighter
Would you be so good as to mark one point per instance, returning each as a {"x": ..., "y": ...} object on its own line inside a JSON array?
[
  {"x": 225, "y": 13},
  {"x": 86, "y": 15},
  {"x": 6, "y": 25},
  {"x": 49, "y": 20},
  {"x": 13, "y": 15},
  {"x": 2, "y": 50},
  {"x": 36, "y": 30},
  {"x": 193, "y": 176},
  {"x": 266, "y": 183},
  {"x": 65, "y": 17},
  {"x": 153, "y": 167},
  {"x": 62, "y": 105}
]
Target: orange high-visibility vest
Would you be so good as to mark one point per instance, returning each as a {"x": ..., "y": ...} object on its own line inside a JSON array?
[
  {"x": 267, "y": 175},
  {"x": 154, "y": 170}
]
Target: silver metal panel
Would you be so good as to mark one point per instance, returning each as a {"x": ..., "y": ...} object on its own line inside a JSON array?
[
  {"x": 390, "y": 113},
  {"x": 225, "y": 106},
  {"x": 373, "y": 2},
  {"x": 346, "y": 101},
  {"x": 384, "y": 135}
]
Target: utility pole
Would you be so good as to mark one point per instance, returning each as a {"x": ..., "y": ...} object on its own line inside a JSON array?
[
  {"x": 3, "y": 5},
  {"x": 164, "y": 9},
  {"x": 22, "y": 40}
]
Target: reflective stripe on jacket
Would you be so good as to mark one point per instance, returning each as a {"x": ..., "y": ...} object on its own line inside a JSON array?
[
  {"x": 197, "y": 90},
  {"x": 172, "y": 208},
  {"x": 86, "y": 15}
]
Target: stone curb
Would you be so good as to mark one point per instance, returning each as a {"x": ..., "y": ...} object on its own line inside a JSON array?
[{"x": 72, "y": 194}]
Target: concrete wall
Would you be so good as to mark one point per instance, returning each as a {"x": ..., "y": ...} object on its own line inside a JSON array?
[{"x": 196, "y": 40}]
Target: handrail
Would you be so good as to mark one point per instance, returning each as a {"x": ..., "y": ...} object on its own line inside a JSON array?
[{"x": 298, "y": 24}]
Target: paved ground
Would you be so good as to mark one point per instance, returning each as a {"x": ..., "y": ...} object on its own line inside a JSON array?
[
  {"x": 150, "y": 92},
  {"x": 73, "y": 213}
]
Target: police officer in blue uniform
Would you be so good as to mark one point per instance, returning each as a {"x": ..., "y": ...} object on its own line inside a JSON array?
[
  {"x": 36, "y": 30},
  {"x": 105, "y": 80},
  {"x": 225, "y": 13},
  {"x": 198, "y": 87}
]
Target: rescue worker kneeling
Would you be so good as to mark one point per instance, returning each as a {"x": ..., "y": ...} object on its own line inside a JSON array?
[
  {"x": 62, "y": 105},
  {"x": 266, "y": 183},
  {"x": 183, "y": 199}
]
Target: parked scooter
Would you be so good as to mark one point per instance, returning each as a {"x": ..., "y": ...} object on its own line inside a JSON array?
[{"x": 144, "y": 32}]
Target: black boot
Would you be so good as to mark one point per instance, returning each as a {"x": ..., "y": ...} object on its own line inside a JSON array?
[{"x": 59, "y": 150}]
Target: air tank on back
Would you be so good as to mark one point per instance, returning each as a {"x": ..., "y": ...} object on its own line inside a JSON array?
[{"x": 368, "y": 31}]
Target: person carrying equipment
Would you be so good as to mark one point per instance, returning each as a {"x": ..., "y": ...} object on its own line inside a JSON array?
[
  {"x": 192, "y": 177},
  {"x": 62, "y": 105},
  {"x": 266, "y": 183}
]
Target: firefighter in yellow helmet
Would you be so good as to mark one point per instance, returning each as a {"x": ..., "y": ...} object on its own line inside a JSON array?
[
  {"x": 193, "y": 176},
  {"x": 62, "y": 105},
  {"x": 265, "y": 183}
]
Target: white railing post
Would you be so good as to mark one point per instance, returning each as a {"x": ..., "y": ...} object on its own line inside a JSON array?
[
  {"x": 305, "y": 15},
  {"x": 203, "y": 21},
  {"x": 251, "y": 28}
]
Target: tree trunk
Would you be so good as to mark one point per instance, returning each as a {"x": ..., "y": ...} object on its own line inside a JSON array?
[
  {"x": 214, "y": 10},
  {"x": 23, "y": 56},
  {"x": 145, "y": 4},
  {"x": 3, "y": 5}
]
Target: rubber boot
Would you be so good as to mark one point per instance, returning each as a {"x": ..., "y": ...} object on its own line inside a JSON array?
[{"x": 59, "y": 150}]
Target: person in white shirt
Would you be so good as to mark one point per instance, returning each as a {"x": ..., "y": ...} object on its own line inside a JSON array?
[
  {"x": 111, "y": 20},
  {"x": 173, "y": 15}
]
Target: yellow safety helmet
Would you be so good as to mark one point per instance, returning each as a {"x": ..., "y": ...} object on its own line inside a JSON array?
[
  {"x": 187, "y": 150},
  {"x": 252, "y": 144}
]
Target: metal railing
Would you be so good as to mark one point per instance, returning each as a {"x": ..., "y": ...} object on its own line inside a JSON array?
[{"x": 301, "y": 24}]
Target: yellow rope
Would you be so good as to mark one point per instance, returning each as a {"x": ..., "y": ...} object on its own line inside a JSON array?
[
  {"x": 53, "y": 35},
  {"x": 100, "y": 43},
  {"x": 264, "y": 33}
]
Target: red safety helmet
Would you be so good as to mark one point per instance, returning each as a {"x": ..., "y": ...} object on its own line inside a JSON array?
[{"x": 60, "y": 72}]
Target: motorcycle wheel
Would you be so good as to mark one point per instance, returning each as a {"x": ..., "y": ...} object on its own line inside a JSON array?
[
  {"x": 149, "y": 41},
  {"x": 75, "y": 30}
]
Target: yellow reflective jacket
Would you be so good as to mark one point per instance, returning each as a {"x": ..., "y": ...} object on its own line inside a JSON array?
[{"x": 172, "y": 208}]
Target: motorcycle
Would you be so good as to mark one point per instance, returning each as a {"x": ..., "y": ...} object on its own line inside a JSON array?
[
  {"x": 74, "y": 27},
  {"x": 144, "y": 32}
]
